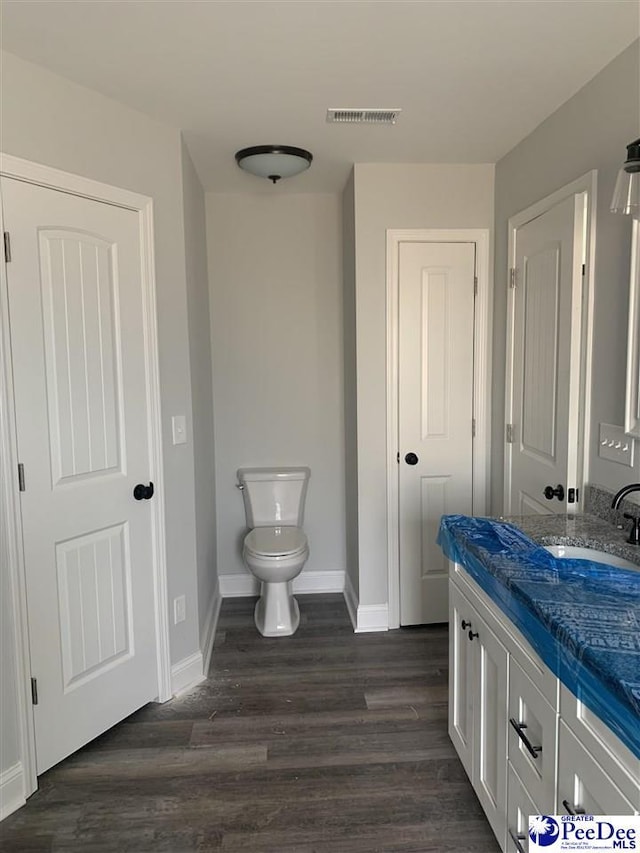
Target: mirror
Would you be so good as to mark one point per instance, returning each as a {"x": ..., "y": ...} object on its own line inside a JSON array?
[{"x": 632, "y": 404}]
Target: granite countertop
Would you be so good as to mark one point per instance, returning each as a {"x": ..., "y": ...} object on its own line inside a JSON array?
[
  {"x": 588, "y": 531},
  {"x": 582, "y": 618}
]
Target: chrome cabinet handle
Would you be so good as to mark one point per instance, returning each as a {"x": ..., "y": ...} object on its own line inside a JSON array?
[
  {"x": 517, "y": 839},
  {"x": 534, "y": 751}
]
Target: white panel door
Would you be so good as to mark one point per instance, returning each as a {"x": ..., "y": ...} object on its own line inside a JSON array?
[
  {"x": 77, "y": 339},
  {"x": 546, "y": 360},
  {"x": 435, "y": 401}
]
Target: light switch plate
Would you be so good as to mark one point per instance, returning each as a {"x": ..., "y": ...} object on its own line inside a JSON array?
[
  {"x": 179, "y": 609},
  {"x": 179, "y": 429},
  {"x": 615, "y": 446}
]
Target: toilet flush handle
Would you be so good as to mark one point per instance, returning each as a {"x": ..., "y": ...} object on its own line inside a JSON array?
[{"x": 240, "y": 486}]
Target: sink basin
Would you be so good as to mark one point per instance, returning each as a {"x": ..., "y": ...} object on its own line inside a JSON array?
[{"x": 577, "y": 552}]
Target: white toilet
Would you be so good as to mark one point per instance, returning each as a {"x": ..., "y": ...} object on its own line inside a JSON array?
[{"x": 275, "y": 549}]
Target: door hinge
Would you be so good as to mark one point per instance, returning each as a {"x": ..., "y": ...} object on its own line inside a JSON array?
[
  {"x": 513, "y": 277},
  {"x": 7, "y": 246},
  {"x": 475, "y": 285},
  {"x": 21, "y": 485},
  {"x": 509, "y": 433},
  {"x": 584, "y": 269},
  {"x": 473, "y": 427},
  {"x": 34, "y": 691}
]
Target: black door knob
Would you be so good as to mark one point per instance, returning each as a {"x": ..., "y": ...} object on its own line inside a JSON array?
[
  {"x": 411, "y": 459},
  {"x": 551, "y": 493},
  {"x": 142, "y": 492}
]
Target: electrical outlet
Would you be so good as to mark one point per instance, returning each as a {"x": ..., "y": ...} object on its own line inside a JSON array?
[{"x": 179, "y": 609}]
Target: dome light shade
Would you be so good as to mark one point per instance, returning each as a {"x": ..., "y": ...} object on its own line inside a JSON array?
[
  {"x": 626, "y": 195},
  {"x": 274, "y": 161}
]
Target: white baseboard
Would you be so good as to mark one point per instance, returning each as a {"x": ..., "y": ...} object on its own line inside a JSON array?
[
  {"x": 234, "y": 586},
  {"x": 193, "y": 669},
  {"x": 11, "y": 790},
  {"x": 351, "y": 600},
  {"x": 365, "y": 618},
  {"x": 310, "y": 582},
  {"x": 372, "y": 617},
  {"x": 186, "y": 673},
  {"x": 210, "y": 628}
]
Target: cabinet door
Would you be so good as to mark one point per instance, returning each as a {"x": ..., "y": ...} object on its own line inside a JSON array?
[
  {"x": 461, "y": 653},
  {"x": 490, "y": 727},
  {"x": 532, "y": 738},
  {"x": 583, "y": 786},
  {"x": 520, "y": 807}
]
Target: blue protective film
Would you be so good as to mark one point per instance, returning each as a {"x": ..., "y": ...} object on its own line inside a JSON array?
[{"x": 581, "y": 617}]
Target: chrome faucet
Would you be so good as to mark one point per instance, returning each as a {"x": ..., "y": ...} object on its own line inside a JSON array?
[{"x": 634, "y": 533}]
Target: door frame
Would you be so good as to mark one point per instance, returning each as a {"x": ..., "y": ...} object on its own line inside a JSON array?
[
  {"x": 481, "y": 383},
  {"x": 586, "y": 184},
  {"x": 46, "y": 176}
]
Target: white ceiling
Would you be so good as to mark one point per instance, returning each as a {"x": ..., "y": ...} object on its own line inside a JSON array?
[{"x": 472, "y": 78}]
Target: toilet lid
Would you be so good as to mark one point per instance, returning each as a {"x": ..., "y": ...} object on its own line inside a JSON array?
[{"x": 275, "y": 541}]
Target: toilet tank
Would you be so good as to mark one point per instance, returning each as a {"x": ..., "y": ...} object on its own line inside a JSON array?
[{"x": 274, "y": 496}]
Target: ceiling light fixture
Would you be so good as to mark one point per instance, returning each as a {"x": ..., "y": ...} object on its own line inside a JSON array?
[
  {"x": 626, "y": 195},
  {"x": 274, "y": 161}
]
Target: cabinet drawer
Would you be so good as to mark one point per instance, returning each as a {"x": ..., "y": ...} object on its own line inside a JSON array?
[
  {"x": 532, "y": 737},
  {"x": 531, "y": 663},
  {"x": 615, "y": 758},
  {"x": 520, "y": 807},
  {"x": 582, "y": 783}
]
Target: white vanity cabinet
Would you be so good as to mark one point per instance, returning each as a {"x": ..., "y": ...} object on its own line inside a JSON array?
[
  {"x": 477, "y": 710},
  {"x": 583, "y": 786},
  {"x": 528, "y": 745}
]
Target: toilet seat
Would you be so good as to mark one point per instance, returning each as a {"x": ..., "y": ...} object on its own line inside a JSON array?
[{"x": 275, "y": 542}]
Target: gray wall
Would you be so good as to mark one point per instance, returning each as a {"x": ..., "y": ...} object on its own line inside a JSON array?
[
  {"x": 201, "y": 387},
  {"x": 49, "y": 120},
  {"x": 350, "y": 381},
  {"x": 276, "y": 305},
  {"x": 590, "y": 131},
  {"x": 394, "y": 196}
]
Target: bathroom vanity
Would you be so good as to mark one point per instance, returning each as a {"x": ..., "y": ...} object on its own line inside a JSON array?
[{"x": 529, "y": 744}]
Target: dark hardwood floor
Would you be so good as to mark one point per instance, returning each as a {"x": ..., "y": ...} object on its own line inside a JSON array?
[{"x": 325, "y": 742}]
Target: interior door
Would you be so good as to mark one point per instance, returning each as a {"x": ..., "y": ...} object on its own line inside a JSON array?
[
  {"x": 77, "y": 334},
  {"x": 542, "y": 456},
  {"x": 435, "y": 402}
]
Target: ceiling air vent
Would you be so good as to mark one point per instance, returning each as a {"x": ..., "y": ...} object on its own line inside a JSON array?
[{"x": 346, "y": 116}]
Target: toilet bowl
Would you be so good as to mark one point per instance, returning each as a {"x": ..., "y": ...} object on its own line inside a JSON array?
[
  {"x": 275, "y": 549},
  {"x": 275, "y": 556}
]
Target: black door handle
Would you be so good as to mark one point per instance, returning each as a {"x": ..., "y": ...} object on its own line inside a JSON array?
[
  {"x": 411, "y": 459},
  {"x": 551, "y": 493},
  {"x": 142, "y": 492}
]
